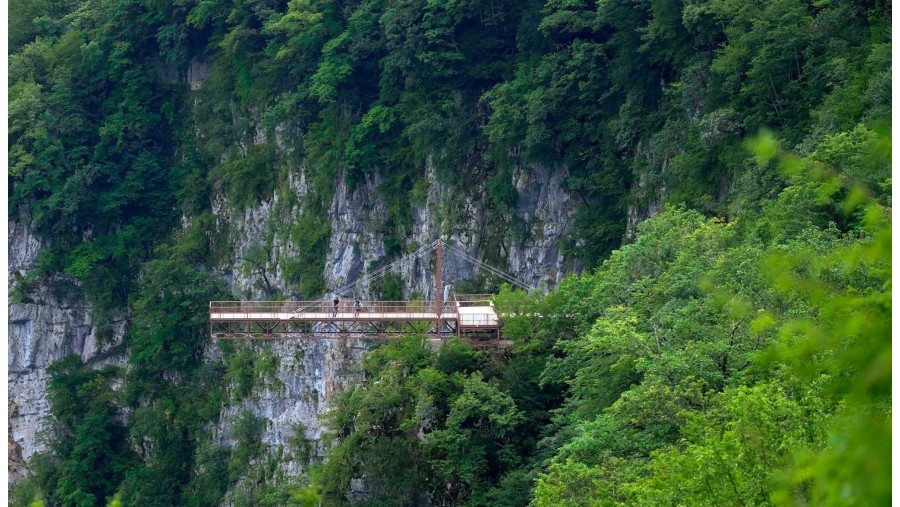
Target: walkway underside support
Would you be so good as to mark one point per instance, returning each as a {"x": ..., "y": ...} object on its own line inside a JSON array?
[
  {"x": 253, "y": 329},
  {"x": 275, "y": 330}
]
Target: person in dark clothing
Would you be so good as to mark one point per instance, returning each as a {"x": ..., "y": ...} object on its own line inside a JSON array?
[
  {"x": 336, "y": 302},
  {"x": 357, "y": 307}
]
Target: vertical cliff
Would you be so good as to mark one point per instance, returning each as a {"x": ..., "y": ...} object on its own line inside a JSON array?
[
  {"x": 48, "y": 320},
  {"x": 308, "y": 373},
  {"x": 52, "y": 318}
]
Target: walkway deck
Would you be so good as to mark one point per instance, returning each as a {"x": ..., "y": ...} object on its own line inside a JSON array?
[{"x": 475, "y": 320}]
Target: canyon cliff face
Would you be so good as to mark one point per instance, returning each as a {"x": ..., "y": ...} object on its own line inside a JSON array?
[
  {"x": 54, "y": 320},
  {"x": 50, "y": 322},
  {"x": 309, "y": 373}
]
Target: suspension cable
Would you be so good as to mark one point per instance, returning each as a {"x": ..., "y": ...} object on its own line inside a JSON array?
[
  {"x": 504, "y": 276},
  {"x": 407, "y": 260},
  {"x": 368, "y": 277}
]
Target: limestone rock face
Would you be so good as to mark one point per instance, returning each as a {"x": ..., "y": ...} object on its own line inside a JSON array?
[
  {"x": 459, "y": 217},
  {"x": 309, "y": 374},
  {"x": 547, "y": 207},
  {"x": 355, "y": 216},
  {"x": 55, "y": 320},
  {"x": 258, "y": 242}
]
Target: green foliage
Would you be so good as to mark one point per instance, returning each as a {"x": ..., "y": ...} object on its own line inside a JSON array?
[
  {"x": 573, "y": 484},
  {"x": 171, "y": 306},
  {"x": 302, "y": 448},
  {"x": 748, "y": 433},
  {"x": 90, "y": 451},
  {"x": 248, "y": 369},
  {"x": 456, "y": 409},
  {"x": 846, "y": 336},
  {"x": 792, "y": 305},
  {"x": 708, "y": 362},
  {"x": 26, "y": 492},
  {"x": 250, "y": 176},
  {"x": 246, "y": 429},
  {"x": 209, "y": 478},
  {"x": 857, "y": 155},
  {"x": 311, "y": 236},
  {"x": 478, "y": 426},
  {"x": 736, "y": 349},
  {"x": 90, "y": 140},
  {"x": 388, "y": 288}
]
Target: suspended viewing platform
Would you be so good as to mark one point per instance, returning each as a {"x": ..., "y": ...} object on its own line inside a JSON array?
[
  {"x": 469, "y": 317},
  {"x": 473, "y": 319}
]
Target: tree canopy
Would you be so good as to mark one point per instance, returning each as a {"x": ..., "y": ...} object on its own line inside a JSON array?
[{"x": 726, "y": 340}]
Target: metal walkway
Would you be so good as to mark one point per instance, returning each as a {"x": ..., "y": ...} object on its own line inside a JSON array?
[
  {"x": 469, "y": 317},
  {"x": 475, "y": 320}
]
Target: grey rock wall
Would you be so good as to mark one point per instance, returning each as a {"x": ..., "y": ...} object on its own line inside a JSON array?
[
  {"x": 53, "y": 322},
  {"x": 310, "y": 373},
  {"x": 56, "y": 320},
  {"x": 355, "y": 216},
  {"x": 458, "y": 216}
]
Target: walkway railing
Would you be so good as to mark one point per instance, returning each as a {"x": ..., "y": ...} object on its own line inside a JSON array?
[
  {"x": 316, "y": 306},
  {"x": 267, "y": 319},
  {"x": 300, "y": 309}
]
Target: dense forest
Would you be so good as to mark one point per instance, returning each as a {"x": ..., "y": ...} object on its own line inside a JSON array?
[{"x": 734, "y": 349}]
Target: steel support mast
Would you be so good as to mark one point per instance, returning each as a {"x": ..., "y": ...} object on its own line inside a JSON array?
[{"x": 439, "y": 289}]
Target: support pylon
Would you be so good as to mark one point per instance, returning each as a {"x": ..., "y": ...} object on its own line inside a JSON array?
[{"x": 439, "y": 289}]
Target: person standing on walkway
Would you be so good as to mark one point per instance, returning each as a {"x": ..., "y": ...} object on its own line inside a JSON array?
[
  {"x": 336, "y": 302},
  {"x": 357, "y": 306}
]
